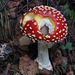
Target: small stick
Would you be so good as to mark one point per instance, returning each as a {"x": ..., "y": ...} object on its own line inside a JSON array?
[
  {"x": 27, "y": 5},
  {"x": 4, "y": 5},
  {"x": 47, "y": 2}
]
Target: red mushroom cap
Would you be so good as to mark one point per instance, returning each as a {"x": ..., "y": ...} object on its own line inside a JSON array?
[{"x": 35, "y": 19}]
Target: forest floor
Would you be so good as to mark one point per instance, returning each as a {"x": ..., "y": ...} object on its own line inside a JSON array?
[{"x": 17, "y": 52}]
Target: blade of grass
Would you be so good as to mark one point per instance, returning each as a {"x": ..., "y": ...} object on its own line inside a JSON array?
[
  {"x": 38, "y": 72},
  {"x": 56, "y": 71},
  {"x": 14, "y": 73},
  {"x": 2, "y": 21},
  {"x": 12, "y": 32},
  {"x": 9, "y": 28},
  {"x": 6, "y": 21},
  {"x": 6, "y": 30},
  {"x": 2, "y": 1},
  {"x": 19, "y": 71}
]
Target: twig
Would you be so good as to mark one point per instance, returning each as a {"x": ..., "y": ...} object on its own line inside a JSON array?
[
  {"x": 47, "y": 2},
  {"x": 24, "y": 7},
  {"x": 27, "y": 5},
  {"x": 71, "y": 3},
  {"x": 57, "y": 73},
  {"x": 1, "y": 69},
  {"x": 57, "y": 3},
  {"x": 4, "y": 5},
  {"x": 73, "y": 23},
  {"x": 2, "y": 28},
  {"x": 52, "y": 2},
  {"x": 7, "y": 69},
  {"x": 19, "y": 71}
]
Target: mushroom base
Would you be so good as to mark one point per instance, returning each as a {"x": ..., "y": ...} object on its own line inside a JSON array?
[
  {"x": 43, "y": 56},
  {"x": 48, "y": 66}
]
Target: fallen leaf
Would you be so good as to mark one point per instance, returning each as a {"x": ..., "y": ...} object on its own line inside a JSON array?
[
  {"x": 28, "y": 66},
  {"x": 56, "y": 56},
  {"x": 12, "y": 4},
  {"x": 5, "y": 72},
  {"x": 13, "y": 14},
  {"x": 70, "y": 73},
  {"x": 44, "y": 72}
]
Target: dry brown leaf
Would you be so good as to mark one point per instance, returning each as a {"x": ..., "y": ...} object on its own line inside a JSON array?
[
  {"x": 5, "y": 72},
  {"x": 12, "y": 4},
  {"x": 70, "y": 73},
  {"x": 56, "y": 56},
  {"x": 13, "y": 14},
  {"x": 72, "y": 32},
  {"x": 18, "y": 74},
  {"x": 44, "y": 72},
  {"x": 28, "y": 66},
  {"x": 19, "y": 18},
  {"x": 12, "y": 9}
]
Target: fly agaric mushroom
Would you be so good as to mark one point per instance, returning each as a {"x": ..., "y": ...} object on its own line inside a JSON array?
[{"x": 47, "y": 25}]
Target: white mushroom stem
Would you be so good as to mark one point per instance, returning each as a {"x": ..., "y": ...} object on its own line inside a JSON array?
[{"x": 43, "y": 54}]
